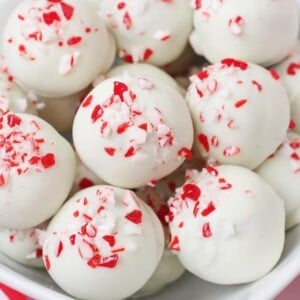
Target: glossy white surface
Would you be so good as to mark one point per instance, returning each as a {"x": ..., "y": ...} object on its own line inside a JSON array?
[{"x": 38, "y": 285}]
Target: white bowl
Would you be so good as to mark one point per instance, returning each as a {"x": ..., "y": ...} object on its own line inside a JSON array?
[{"x": 38, "y": 285}]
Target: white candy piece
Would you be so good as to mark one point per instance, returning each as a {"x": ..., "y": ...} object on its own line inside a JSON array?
[
  {"x": 12, "y": 97},
  {"x": 101, "y": 236},
  {"x": 227, "y": 225},
  {"x": 63, "y": 45},
  {"x": 84, "y": 178},
  {"x": 282, "y": 172},
  {"x": 139, "y": 130},
  {"x": 144, "y": 70},
  {"x": 289, "y": 71},
  {"x": 60, "y": 112},
  {"x": 240, "y": 111},
  {"x": 22, "y": 245},
  {"x": 254, "y": 31},
  {"x": 35, "y": 161},
  {"x": 143, "y": 32}
]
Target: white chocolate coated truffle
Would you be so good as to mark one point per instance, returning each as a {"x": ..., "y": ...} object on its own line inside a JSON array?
[
  {"x": 240, "y": 111},
  {"x": 144, "y": 70},
  {"x": 139, "y": 130},
  {"x": 289, "y": 71},
  {"x": 282, "y": 171},
  {"x": 22, "y": 245},
  {"x": 254, "y": 31},
  {"x": 227, "y": 225},
  {"x": 108, "y": 242},
  {"x": 37, "y": 168},
  {"x": 56, "y": 48},
  {"x": 60, "y": 112},
  {"x": 148, "y": 30},
  {"x": 12, "y": 97}
]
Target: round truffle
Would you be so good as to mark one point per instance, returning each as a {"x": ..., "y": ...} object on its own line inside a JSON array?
[
  {"x": 227, "y": 225},
  {"x": 139, "y": 129},
  {"x": 37, "y": 168},
  {"x": 56, "y": 48},
  {"x": 22, "y": 245},
  {"x": 240, "y": 111},
  {"x": 254, "y": 31},
  {"x": 282, "y": 171},
  {"x": 143, "y": 32},
  {"x": 100, "y": 236}
]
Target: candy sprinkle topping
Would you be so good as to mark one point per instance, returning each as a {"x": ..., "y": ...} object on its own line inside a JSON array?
[{"x": 21, "y": 148}]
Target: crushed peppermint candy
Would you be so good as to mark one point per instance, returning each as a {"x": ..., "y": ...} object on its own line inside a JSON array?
[
  {"x": 197, "y": 199},
  {"x": 124, "y": 115},
  {"x": 22, "y": 148}
]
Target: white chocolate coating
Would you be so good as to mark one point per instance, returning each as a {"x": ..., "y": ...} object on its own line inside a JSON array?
[
  {"x": 22, "y": 245},
  {"x": 108, "y": 241},
  {"x": 144, "y": 70},
  {"x": 240, "y": 111},
  {"x": 139, "y": 130},
  {"x": 227, "y": 225},
  {"x": 84, "y": 177},
  {"x": 254, "y": 31},
  {"x": 60, "y": 112},
  {"x": 12, "y": 97},
  {"x": 289, "y": 71},
  {"x": 144, "y": 33},
  {"x": 62, "y": 45},
  {"x": 282, "y": 171},
  {"x": 6, "y": 7},
  {"x": 35, "y": 161}
]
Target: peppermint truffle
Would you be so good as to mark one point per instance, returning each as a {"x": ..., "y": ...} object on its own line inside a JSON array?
[
  {"x": 63, "y": 45},
  {"x": 254, "y": 31},
  {"x": 227, "y": 225},
  {"x": 107, "y": 240},
  {"x": 148, "y": 31},
  {"x": 139, "y": 130},
  {"x": 282, "y": 171},
  {"x": 240, "y": 111},
  {"x": 37, "y": 168},
  {"x": 22, "y": 245}
]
